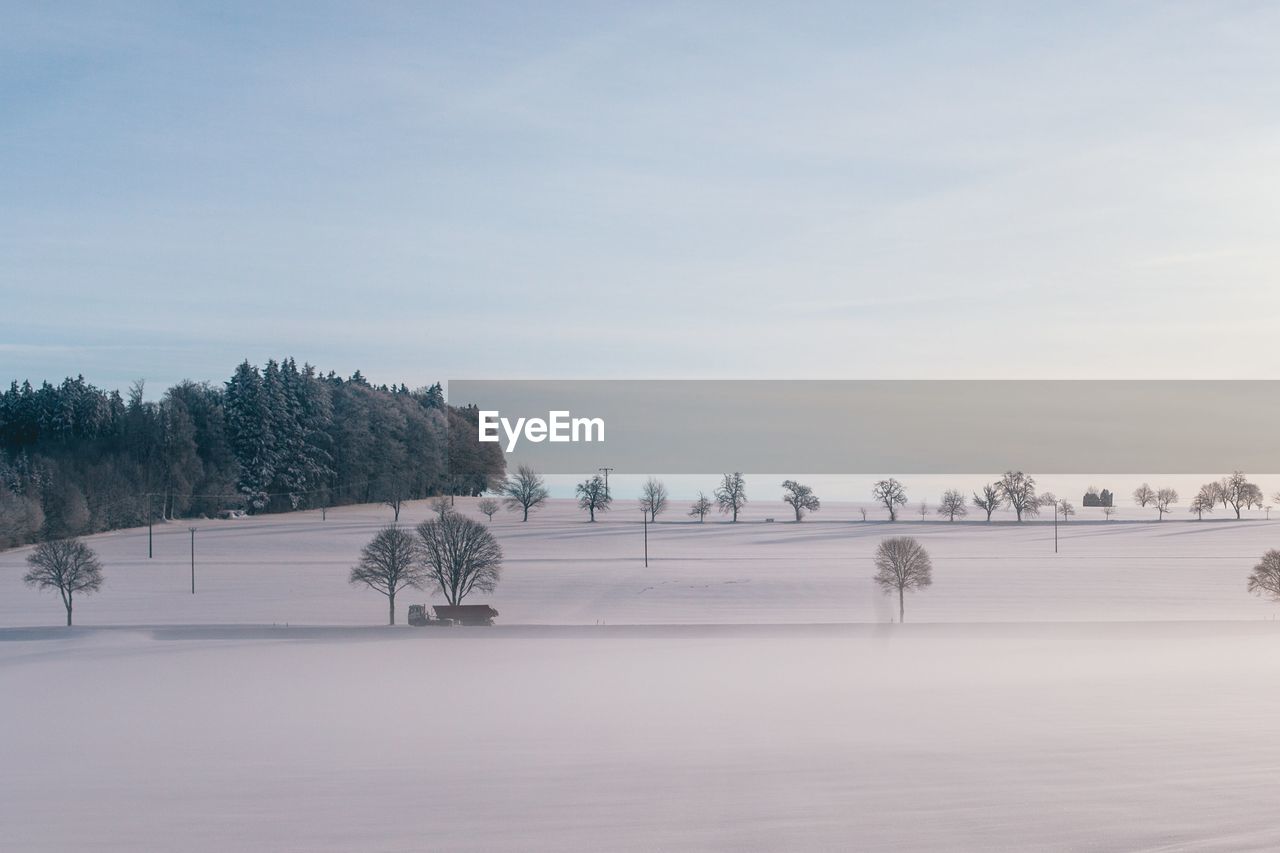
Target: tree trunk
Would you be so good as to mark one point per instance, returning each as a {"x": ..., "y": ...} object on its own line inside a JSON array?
[
  {"x": 797, "y": 513},
  {"x": 902, "y": 607},
  {"x": 526, "y": 514},
  {"x": 391, "y": 609},
  {"x": 68, "y": 614}
]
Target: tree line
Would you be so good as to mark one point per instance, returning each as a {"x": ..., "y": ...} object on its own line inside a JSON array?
[
  {"x": 76, "y": 459},
  {"x": 526, "y": 490}
]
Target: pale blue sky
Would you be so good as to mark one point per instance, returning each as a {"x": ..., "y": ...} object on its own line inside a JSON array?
[{"x": 426, "y": 191}]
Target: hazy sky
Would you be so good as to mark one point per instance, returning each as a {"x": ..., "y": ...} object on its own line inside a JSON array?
[{"x": 426, "y": 191}]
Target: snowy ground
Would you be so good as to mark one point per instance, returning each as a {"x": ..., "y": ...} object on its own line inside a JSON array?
[{"x": 1117, "y": 696}]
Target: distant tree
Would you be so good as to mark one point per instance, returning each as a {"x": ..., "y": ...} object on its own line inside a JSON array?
[
  {"x": 891, "y": 494},
  {"x": 863, "y": 510},
  {"x": 441, "y": 506},
  {"x": 700, "y": 507},
  {"x": 902, "y": 564},
  {"x": 1237, "y": 492},
  {"x": 923, "y": 509},
  {"x": 593, "y": 496},
  {"x": 388, "y": 564},
  {"x": 393, "y": 496},
  {"x": 67, "y": 565},
  {"x": 460, "y": 555},
  {"x": 1107, "y": 498},
  {"x": 653, "y": 498},
  {"x": 800, "y": 497},
  {"x": 1265, "y": 579},
  {"x": 952, "y": 504},
  {"x": 1066, "y": 509},
  {"x": 1205, "y": 500},
  {"x": 1165, "y": 498},
  {"x": 731, "y": 496},
  {"x": 991, "y": 499},
  {"x": 1108, "y": 510},
  {"x": 488, "y": 506},
  {"x": 1019, "y": 491},
  {"x": 1144, "y": 495},
  {"x": 526, "y": 491}
]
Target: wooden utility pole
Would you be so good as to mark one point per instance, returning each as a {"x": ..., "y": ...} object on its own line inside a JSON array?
[
  {"x": 646, "y": 537},
  {"x": 606, "y": 480},
  {"x": 150, "y": 550},
  {"x": 193, "y": 559}
]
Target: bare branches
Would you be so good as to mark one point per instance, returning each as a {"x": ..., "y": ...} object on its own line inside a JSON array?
[
  {"x": 593, "y": 496},
  {"x": 388, "y": 564},
  {"x": 902, "y": 564},
  {"x": 653, "y": 498},
  {"x": 67, "y": 565},
  {"x": 700, "y": 507},
  {"x": 800, "y": 497},
  {"x": 460, "y": 555},
  {"x": 1019, "y": 491},
  {"x": 890, "y": 493},
  {"x": 1265, "y": 579},
  {"x": 952, "y": 505},
  {"x": 731, "y": 497},
  {"x": 525, "y": 491},
  {"x": 488, "y": 506},
  {"x": 991, "y": 499}
]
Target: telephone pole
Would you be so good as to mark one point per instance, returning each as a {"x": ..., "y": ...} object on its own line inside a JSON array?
[
  {"x": 606, "y": 480},
  {"x": 150, "y": 550},
  {"x": 193, "y": 559},
  {"x": 646, "y": 537}
]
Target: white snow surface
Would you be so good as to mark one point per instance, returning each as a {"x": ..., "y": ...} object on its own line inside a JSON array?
[{"x": 745, "y": 692}]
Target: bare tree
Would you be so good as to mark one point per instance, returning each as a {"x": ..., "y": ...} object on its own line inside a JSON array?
[
  {"x": 890, "y": 493},
  {"x": 460, "y": 555},
  {"x": 991, "y": 499},
  {"x": 653, "y": 498},
  {"x": 1108, "y": 511},
  {"x": 1019, "y": 491},
  {"x": 800, "y": 497},
  {"x": 731, "y": 497},
  {"x": 593, "y": 496},
  {"x": 1144, "y": 495},
  {"x": 1165, "y": 498},
  {"x": 488, "y": 506},
  {"x": 1237, "y": 492},
  {"x": 1265, "y": 579},
  {"x": 923, "y": 510},
  {"x": 441, "y": 506},
  {"x": 700, "y": 507},
  {"x": 526, "y": 491},
  {"x": 1205, "y": 500},
  {"x": 67, "y": 565},
  {"x": 952, "y": 504},
  {"x": 388, "y": 564},
  {"x": 902, "y": 564},
  {"x": 394, "y": 498},
  {"x": 1066, "y": 508},
  {"x": 863, "y": 510}
]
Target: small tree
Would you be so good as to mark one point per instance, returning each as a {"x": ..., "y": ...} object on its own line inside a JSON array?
[
  {"x": 731, "y": 497},
  {"x": 526, "y": 491},
  {"x": 388, "y": 564},
  {"x": 800, "y": 497},
  {"x": 460, "y": 555},
  {"x": 890, "y": 493},
  {"x": 1265, "y": 579},
  {"x": 1066, "y": 508},
  {"x": 952, "y": 504},
  {"x": 923, "y": 509},
  {"x": 991, "y": 499},
  {"x": 1144, "y": 495},
  {"x": 67, "y": 565},
  {"x": 863, "y": 510},
  {"x": 441, "y": 506},
  {"x": 593, "y": 496},
  {"x": 653, "y": 498},
  {"x": 1205, "y": 500},
  {"x": 1237, "y": 492},
  {"x": 902, "y": 564},
  {"x": 1019, "y": 491},
  {"x": 1165, "y": 498},
  {"x": 1108, "y": 511},
  {"x": 700, "y": 507},
  {"x": 488, "y": 506},
  {"x": 394, "y": 498}
]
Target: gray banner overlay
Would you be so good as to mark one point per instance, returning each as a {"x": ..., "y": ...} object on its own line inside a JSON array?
[{"x": 899, "y": 427}]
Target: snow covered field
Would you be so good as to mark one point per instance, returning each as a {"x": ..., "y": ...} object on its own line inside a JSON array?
[{"x": 1117, "y": 696}]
